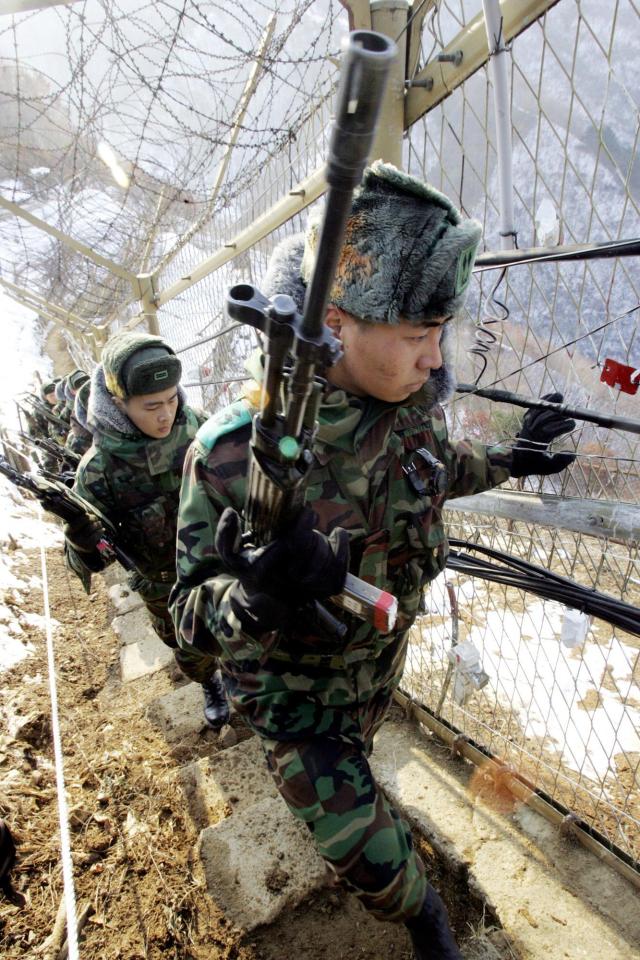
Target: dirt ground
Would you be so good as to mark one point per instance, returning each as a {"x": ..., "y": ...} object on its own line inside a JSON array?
[{"x": 133, "y": 840}]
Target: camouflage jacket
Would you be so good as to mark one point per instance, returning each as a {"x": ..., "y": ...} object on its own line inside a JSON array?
[
  {"x": 57, "y": 431},
  {"x": 135, "y": 481},
  {"x": 79, "y": 438},
  {"x": 36, "y": 422},
  {"x": 397, "y": 537}
]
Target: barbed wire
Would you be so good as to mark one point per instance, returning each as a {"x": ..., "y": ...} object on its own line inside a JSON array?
[{"x": 159, "y": 84}]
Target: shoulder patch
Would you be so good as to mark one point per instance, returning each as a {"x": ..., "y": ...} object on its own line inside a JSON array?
[{"x": 224, "y": 421}]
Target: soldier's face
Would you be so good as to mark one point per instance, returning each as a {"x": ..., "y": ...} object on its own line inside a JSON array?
[
  {"x": 153, "y": 413},
  {"x": 384, "y": 361},
  {"x": 51, "y": 398}
]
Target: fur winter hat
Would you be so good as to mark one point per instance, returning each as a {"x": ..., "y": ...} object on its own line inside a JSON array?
[
  {"x": 76, "y": 378},
  {"x": 60, "y": 394},
  {"x": 135, "y": 364},
  {"x": 81, "y": 404},
  {"x": 72, "y": 382},
  {"x": 407, "y": 253},
  {"x": 48, "y": 387}
]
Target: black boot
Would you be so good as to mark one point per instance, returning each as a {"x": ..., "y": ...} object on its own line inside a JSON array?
[
  {"x": 430, "y": 931},
  {"x": 216, "y": 708}
]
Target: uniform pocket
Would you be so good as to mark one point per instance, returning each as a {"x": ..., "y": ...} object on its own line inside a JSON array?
[
  {"x": 157, "y": 528},
  {"x": 427, "y": 539}
]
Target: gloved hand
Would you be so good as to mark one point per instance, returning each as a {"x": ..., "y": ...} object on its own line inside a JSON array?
[
  {"x": 83, "y": 534},
  {"x": 531, "y": 451},
  {"x": 275, "y": 580}
]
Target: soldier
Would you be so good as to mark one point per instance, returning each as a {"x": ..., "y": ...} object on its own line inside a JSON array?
[
  {"x": 36, "y": 422},
  {"x": 59, "y": 431},
  {"x": 142, "y": 428},
  {"x": 80, "y": 437},
  {"x": 33, "y": 409},
  {"x": 383, "y": 466},
  {"x": 48, "y": 391}
]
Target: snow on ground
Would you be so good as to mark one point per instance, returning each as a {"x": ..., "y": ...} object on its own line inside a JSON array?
[
  {"x": 20, "y": 357},
  {"x": 22, "y": 526},
  {"x": 543, "y": 681}
]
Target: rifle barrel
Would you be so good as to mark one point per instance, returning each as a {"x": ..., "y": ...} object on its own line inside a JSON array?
[
  {"x": 574, "y": 251},
  {"x": 577, "y": 413},
  {"x": 366, "y": 61}
]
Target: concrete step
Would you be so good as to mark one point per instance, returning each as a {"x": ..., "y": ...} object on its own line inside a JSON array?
[
  {"x": 133, "y": 626},
  {"x": 552, "y": 898},
  {"x": 179, "y": 713},
  {"x": 144, "y": 658},
  {"x": 226, "y": 783},
  {"x": 122, "y": 598},
  {"x": 258, "y": 860}
]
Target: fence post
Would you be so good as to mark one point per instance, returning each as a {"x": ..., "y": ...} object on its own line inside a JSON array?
[
  {"x": 389, "y": 17},
  {"x": 144, "y": 291}
]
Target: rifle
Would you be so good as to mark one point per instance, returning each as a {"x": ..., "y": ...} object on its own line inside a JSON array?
[
  {"x": 70, "y": 507},
  {"x": 284, "y": 431},
  {"x": 578, "y": 413},
  {"x": 47, "y": 414},
  {"x": 54, "y": 449}
]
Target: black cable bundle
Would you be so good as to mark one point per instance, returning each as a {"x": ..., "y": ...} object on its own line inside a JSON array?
[{"x": 514, "y": 572}]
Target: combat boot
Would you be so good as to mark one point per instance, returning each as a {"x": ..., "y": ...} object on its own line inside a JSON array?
[
  {"x": 430, "y": 931},
  {"x": 216, "y": 708}
]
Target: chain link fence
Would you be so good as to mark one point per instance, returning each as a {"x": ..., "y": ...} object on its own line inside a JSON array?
[{"x": 556, "y": 696}]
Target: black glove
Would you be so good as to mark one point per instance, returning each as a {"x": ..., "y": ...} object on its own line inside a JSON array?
[
  {"x": 531, "y": 451},
  {"x": 84, "y": 534},
  {"x": 274, "y": 581}
]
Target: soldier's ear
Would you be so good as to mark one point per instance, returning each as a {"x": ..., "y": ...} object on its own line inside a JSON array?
[
  {"x": 333, "y": 319},
  {"x": 120, "y": 403}
]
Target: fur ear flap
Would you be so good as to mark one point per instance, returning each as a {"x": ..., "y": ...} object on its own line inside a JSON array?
[{"x": 284, "y": 273}]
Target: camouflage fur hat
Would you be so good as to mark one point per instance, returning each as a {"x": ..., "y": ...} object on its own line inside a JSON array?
[
  {"x": 60, "y": 385},
  {"x": 47, "y": 387},
  {"x": 76, "y": 378},
  {"x": 407, "y": 253},
  {"x": 81, "y": 403},
  {"x": 135, "y": 364}
]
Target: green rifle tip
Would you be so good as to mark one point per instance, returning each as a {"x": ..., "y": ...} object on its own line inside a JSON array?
[{"x": 289, "y": 447}]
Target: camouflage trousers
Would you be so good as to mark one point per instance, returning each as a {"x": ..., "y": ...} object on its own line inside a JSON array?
[
  {"x": 197, "y": 666},
  {"x": 327, "y": 783}
]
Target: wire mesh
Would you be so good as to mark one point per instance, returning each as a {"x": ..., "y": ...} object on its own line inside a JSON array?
[{"x": 565, "y": 716}]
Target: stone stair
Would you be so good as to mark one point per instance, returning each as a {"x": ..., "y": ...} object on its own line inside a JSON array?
[{"x": 553, "y": 900}]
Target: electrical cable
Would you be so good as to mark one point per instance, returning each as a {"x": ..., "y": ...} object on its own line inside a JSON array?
[
  {"x": 483, "y": 337},
  {"x": 515, "y": 572}
]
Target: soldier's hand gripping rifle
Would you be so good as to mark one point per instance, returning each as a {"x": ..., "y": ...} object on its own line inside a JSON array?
[
  {"x": 284, "y": 429},
  {"x": 70, "y": 507}
]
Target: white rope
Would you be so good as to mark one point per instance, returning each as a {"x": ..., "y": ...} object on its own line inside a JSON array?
[{"x": 63, "y": 813}]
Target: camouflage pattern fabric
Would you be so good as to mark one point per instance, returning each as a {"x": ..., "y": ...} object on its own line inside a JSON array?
[
  {"x": 303, "y": 694},
  {"x": 135, "y": 482},
  {"x": 327, "y": 783},
  {"x": 156, "y": 599},
  {"x": 57, "y": 431},
  {"x": 78, "y": 439},
  {"x": 38, "y": 427}
]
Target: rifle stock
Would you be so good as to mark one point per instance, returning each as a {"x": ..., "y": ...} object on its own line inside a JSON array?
[
  {"x": 69, "y": 506},
  {"x": 285, "y": 427}
]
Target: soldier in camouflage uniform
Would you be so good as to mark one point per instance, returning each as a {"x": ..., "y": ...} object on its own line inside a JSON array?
[
  {"x": 80, "y": 437},
  {"x": 36, "y": 422},
  {"x": 142, "y": 428},
  {"x": 383, "y": 467},
  {"x": 58, "y": 431}
]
